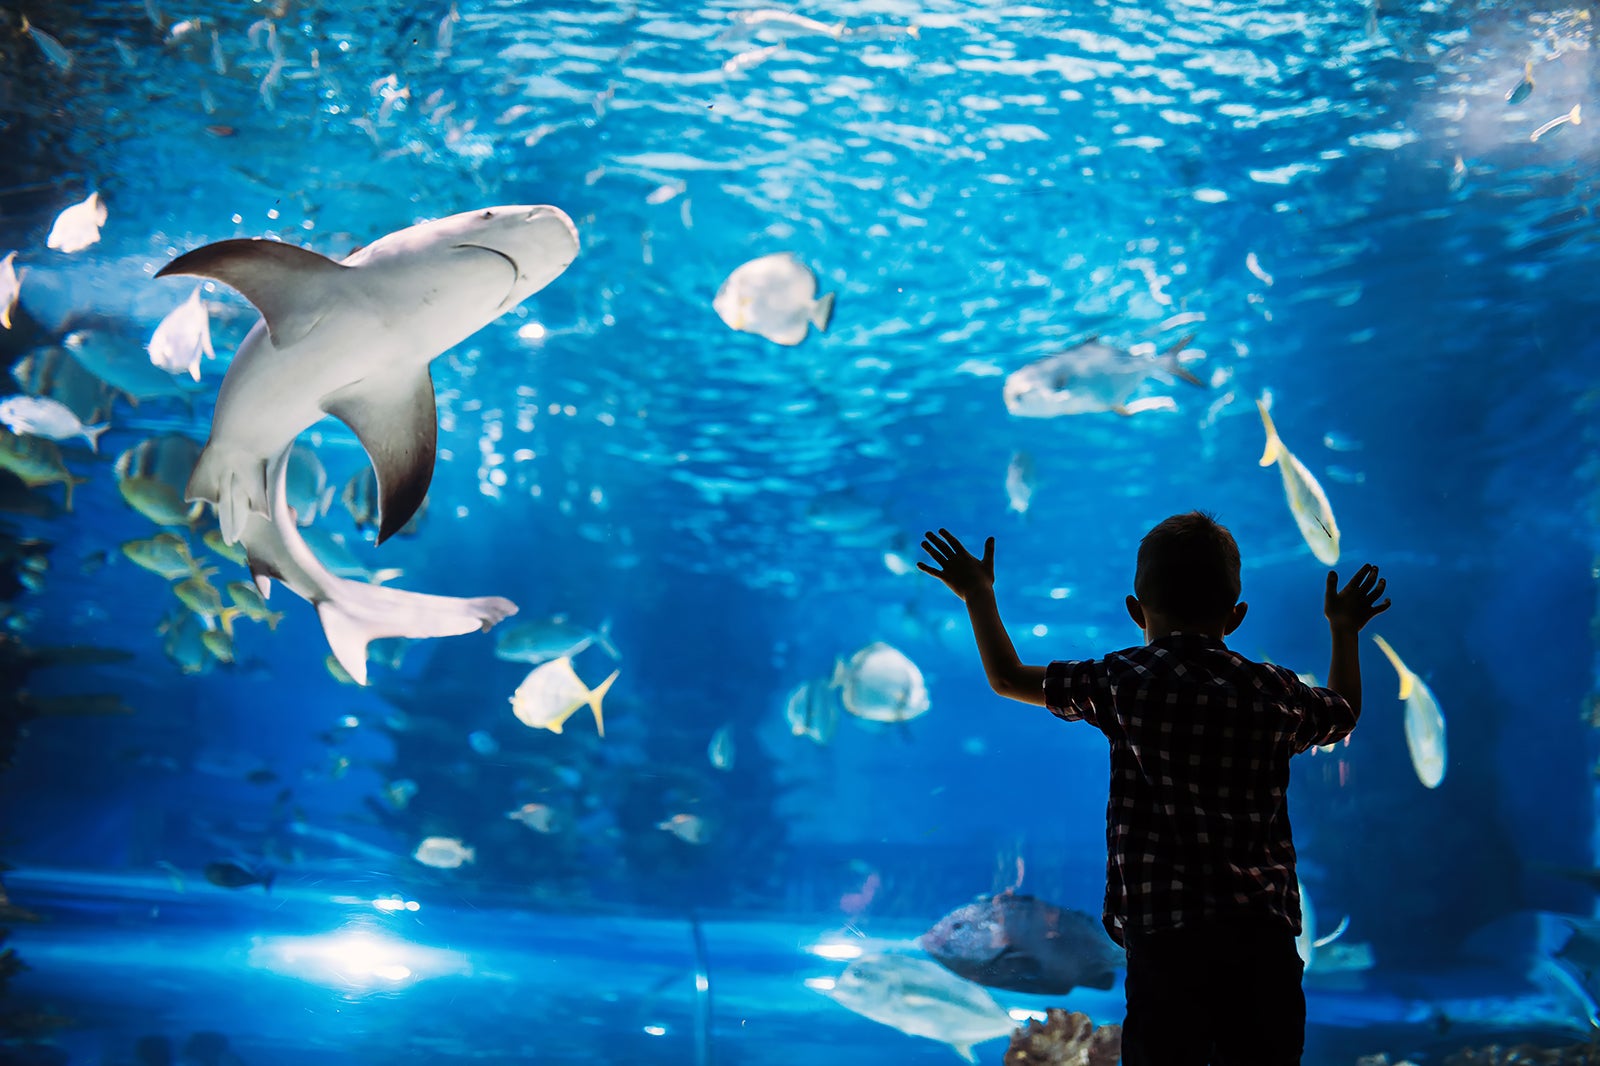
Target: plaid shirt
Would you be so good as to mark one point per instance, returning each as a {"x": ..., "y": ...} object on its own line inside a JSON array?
[{"x": 1197, "y": 825}]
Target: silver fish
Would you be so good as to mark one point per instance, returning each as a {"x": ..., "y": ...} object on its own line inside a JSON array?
[{"x": 1092, "y": 377}]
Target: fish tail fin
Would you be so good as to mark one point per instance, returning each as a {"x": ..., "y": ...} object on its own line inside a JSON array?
[
  {"x": 204, "y": 573},
  {"x": 1576, "y": 114},
  {"x": 822, "y": 311},
  {"x": 71, "y": 483},
  {"x": 26, "y": 25},
  {"x": 603, "y": 639},
  {"x": 356, "y": 614},
  {"x": 840, "y": 674},
  {"x": 235, "y": 488},
  {"x": 194, "y": 370},
  {"x": 965, "y": 1051},
  {"x": 1274, "y": 444},
  {"x": 386, "y": 575},
  {"x": 597, "y": 694},
  {"x": 92, "y": 435},
  {"x": 1170, "y": 362},
  {"x": 273, "y": 618}
]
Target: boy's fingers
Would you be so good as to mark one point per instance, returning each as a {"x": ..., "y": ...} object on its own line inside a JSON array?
[
  {"x": 1381, "y": 607},
  {"x": 988, "y": 551},
  {"x": 955, "y": 543},
  {"x": 1333, "y": 582},
  {"x": 926, "y": 569},
  {"x": 1377, "y": 590}
]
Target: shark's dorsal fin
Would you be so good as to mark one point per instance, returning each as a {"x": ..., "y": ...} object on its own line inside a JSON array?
[
  {"x": 398, "y": 425},
  {"x": 289, "y": 285}
]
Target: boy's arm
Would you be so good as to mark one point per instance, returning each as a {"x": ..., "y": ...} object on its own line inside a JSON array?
[
  {"x": 972, "y": 579},
  {"x": 1347, "y": 611},
  {"x": 1008, "y": 674}
]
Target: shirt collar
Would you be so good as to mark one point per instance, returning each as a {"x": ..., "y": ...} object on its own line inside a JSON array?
[{"x": 1188, "y": 640}]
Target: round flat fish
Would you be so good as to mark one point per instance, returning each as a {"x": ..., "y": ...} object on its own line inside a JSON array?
[
  {"x": 774, "y": 297},
  {"x": 881, "y": 685},
  {"x": 1024, "y": 944}
]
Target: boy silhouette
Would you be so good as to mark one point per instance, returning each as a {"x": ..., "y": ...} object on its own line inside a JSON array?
[{"x": 1200, "y": 862}]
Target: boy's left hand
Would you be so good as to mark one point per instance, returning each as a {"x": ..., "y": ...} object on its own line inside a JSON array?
[{"x": 962, "y": 572}]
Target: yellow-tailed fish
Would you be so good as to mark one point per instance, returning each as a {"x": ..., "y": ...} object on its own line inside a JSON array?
[
  {"x": 1424, "y": 721},
  {"x": 219, "y": 644},
  {"x": 1307, "y": 502},
  {"x": 167, "y": 555},
  {"x": 552, "y": 691},
  {"x": 201, "y": 597},
  {"x": 234, "y": 553},
  {"x": 36, "y": 462},
  {"x": 247, "y": 598}
]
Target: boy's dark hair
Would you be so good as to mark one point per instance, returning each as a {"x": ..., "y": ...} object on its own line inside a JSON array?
[{"x": 1188, "y": 569}]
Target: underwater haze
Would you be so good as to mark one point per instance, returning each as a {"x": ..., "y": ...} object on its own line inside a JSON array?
[{"x": 784, "y": 289}]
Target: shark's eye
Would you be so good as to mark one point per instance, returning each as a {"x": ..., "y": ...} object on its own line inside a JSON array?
[{"x": 488, "y": 214}]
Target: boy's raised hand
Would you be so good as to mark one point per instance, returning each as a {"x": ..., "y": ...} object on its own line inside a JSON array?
[
  {"x": 961, "y": 571},
  {"x": 1357, "y": 603}
]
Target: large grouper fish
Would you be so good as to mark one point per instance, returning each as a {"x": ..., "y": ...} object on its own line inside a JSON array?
[
  {"x": 1024, "y": 944},
  {"x": 353, "y": 339}
]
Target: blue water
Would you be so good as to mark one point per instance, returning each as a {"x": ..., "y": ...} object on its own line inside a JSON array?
[{"x": 1001, "y": 184}]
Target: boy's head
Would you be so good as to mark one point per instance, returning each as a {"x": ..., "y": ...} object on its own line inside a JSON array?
[{"x": 1188, "y": 577}]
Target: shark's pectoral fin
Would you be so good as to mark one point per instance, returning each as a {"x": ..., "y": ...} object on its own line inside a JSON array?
[
  {"x": 292, "y": 287},
  {"x": 398, "y": 425}
]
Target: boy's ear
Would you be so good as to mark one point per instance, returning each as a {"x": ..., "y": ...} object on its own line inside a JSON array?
[
  {"x": 1235, "y": 617},
  {"x": 1136, "y": 611}
]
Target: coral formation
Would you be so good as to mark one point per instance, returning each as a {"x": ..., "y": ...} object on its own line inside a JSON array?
[{"x": 1068, "y": 1038}]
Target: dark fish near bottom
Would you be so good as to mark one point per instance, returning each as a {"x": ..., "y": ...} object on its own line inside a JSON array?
[
  {"x": 1024, "y": 944},
  {"x": 232, "y": 875}
]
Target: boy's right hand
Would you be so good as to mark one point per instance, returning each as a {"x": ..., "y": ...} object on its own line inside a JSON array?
[
  {"x": 963, "y": 573},
  {"x": 1356, "y": 604}
]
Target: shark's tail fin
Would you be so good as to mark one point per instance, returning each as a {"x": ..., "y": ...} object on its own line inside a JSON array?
[
  {"x": 234, "y": 485},
  {"x": 356, "y": 614}
]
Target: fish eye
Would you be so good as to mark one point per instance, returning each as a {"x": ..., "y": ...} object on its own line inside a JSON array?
[{"x": 488, "y": 214}]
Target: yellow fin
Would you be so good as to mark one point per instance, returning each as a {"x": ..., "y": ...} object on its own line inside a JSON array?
[
  {"x": 1407, "y": 678},
  {"x": 1274, "y": 444},
  {"x": 597, "y": 694}
]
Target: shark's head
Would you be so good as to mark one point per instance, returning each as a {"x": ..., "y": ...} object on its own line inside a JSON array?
[{"x": 539, "y": 242}]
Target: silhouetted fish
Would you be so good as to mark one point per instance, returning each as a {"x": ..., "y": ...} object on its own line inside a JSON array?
[
  {"x": 1025, "y": 945},
  {"x": 232, "y": 875}
]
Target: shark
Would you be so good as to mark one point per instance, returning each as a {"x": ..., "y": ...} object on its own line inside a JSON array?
[
  {"x": 353, "y": 613},
  {"x": 354, "y": 339}
]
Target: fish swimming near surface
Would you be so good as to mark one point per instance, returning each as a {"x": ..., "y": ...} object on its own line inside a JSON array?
[
  {"x": 774, "y": 297},
  {"x": 77, "y": 227},
  {"x": 921, "y": 998},
  {"x": 1024, "y": 944},
  {"x": 1425, "y": 735},
  {"x": 1092, "y": 377},
  {"x": 354, "y": 339},
  {"x": 1307, "y": 502},
  {"x": 183, "y": 337},
  {"x": 353, "y": 613}
]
